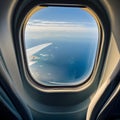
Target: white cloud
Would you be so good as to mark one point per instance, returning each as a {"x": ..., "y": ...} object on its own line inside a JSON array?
[
  {"x": 58, "y": 23},
  {"x": 37, "y": 29}
]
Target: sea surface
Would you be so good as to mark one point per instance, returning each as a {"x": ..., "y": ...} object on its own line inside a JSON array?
[{"x": 65, "y": 62}]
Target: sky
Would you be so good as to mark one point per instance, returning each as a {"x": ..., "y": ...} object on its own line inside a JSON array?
[
  {"x": 63, "y": 14},
  {"x": 61, "y": 21}
]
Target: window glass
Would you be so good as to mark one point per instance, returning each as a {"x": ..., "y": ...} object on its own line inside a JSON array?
[{"x": 61, "y": 45}]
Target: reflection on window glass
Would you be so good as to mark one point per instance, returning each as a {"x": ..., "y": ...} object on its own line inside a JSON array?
[{"x": 61, "y": 45}]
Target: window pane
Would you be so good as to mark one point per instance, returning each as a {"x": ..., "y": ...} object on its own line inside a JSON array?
[{"x": 61, "y": 45}]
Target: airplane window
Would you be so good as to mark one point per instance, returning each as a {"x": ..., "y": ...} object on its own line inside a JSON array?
[{"x": 61, "y": 45}]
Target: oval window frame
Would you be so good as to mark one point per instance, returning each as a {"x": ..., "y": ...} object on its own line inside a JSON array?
[{"x": 75, "y": 88}]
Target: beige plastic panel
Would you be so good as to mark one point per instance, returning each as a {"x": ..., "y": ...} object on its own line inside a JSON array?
[{"x": 112, "y": 59}]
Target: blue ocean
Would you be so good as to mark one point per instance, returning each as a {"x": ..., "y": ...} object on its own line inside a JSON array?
[{"x": 65, "y": 62}]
